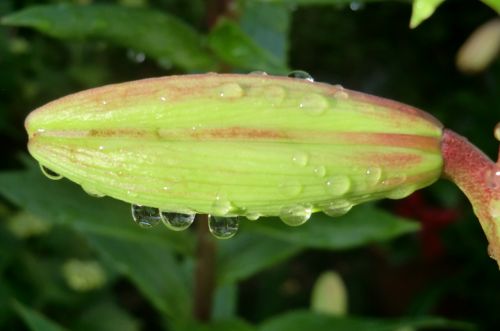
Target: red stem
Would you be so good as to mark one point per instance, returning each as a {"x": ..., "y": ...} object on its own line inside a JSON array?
[{"x": 479, "y": 178}]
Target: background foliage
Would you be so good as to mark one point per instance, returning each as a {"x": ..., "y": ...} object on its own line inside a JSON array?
[{"x": 72, "y": 262}]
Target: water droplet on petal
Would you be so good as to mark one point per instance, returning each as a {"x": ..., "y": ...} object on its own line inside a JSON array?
[
  {"x": 493, "y": 178},
  {"x": 300, "y": 158},
  {"x": 258, "y": 72},
  {"x": 337, "y": 208},
  {"x": 295, "y": 215},
  {"x": 163, "y": 98},
  {"x": 50, "y": 174},
  {"x": 92, "y": 191},
  {"x": 320, "y": 171},
  {"x": 313, "y": 104},
  {"x": 400, "y": 192},
  {"x": 146, "y": 217},
  {"x": 373, "y": 175},
  {"x": 223, "y": 227},
  {"x": 495, "y": 209},
  {"x": 230, "y": 90},
  {"x": 337, "y": 185},
  {"x": 290, "y": 188},
  {"x": 177, "y": 221},
  {"x": 221, "y": 206},
  {"x": 341, "y": 94},
  {"x": 252, "y": 216},
  {"x": 300, "y": 74}
]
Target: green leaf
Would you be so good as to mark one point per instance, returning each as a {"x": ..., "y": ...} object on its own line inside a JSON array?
[
  {"x": 248, "y": 253},
  {"x": 225, "y": 302},
  {"x": 422, "y": 10},
  {"x": 495, "y": 4},
  {"x": 153, "y": 269},
  {"x": 62, "y": 202},
  {"x": 106, "y": 316},
  {"x": 158, "y": 35},
  {"x": 34, "y": 320},
  {"x": 228, "y": 325},
  {"x": 362, "y": 225},
  {"x": 237, "y": 49},
  {"x": 304, "y": 320},
  {"x": 317, "y": 2}
]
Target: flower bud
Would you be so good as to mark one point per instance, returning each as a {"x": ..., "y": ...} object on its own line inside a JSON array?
[{"x": 231, "y": 145}]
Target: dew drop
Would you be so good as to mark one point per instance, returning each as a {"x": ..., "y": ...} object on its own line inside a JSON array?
[
  {"x": 337, "y": 208},
  {"x": 146, "y": 217},
  {"x": 300, "y": 158},
  {"x": 290, "y": 188},
  {"x": 177, "y": 221},
  {"x": 274, "y": 94},
  {"x": 230, "y": 90},
  {"x": 341, "y": 94},
  {"x": 300, "y": 74},
  {"x": 223, "y": 227},
  {"x": 313, "y": 104},
  {"x": 258, "y": 72},
  {"x": 320, "y": 171},
  {"x": 221, "y": 206},
  {"x": 50, "y": 174},
  {"x": 92, "y": 191},
  {"x": 337, "y": 185},
  {"x": 400, "y": 192},
  {"x": 373, "y": 175},
  {"x": 295, "y": 215},
  {"x": 252, "y": 216},
  {"x": 163, "y": 98},
  {"x": 493, "y": 178}
]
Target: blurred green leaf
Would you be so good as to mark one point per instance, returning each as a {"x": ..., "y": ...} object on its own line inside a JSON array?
[
  {"x": 495, "y": 4},
  {"x": 364, "y": 224},
  {"x": 237, "y": 49},
  {"x": 154, "y": 271},
  {"x": 163, "y": 37},
  {"x": 304, "y": 320},
  {"x": 106, "y": 316},
  {"x": 319, "y": 2},
  {"x": 225, "y": 302},
  {"x": 228, "y": 325},
  {"x": 63, "y": 202},
  {"x": 249, "y": 253},
  {"x": 422, "y": 10},
  {"x": 34, "y": 320}
]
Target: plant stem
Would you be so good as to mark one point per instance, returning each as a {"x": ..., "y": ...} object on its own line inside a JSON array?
[
  {"x": 478, "y": 177},
  {"x": 205, "y": 271}
]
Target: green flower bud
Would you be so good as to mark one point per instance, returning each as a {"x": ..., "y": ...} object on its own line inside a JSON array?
[{"x": 237, "y": 145}]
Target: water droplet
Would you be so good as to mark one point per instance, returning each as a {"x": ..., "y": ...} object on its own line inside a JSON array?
[
  {"x": 341, "y": 94},
  {"x": 258, "y": 72},
  {"x": 274, "y": 94},
  {"x": 230, "y": 90},
  {"x": 373, "y": 175},
  {"x": 253, "y": 216},
  {"x": 221, "y": 205},
  {"x": 295, "y": 215},
  {"x": 146, "y": 217},
  {"x": 163, "y": 98},
  {"x": 400, "y": 192},
  {"x": 223, "y": 227},
  {"x": 337, "y": 185},
  {"x": 337, "y": 208},
  {"x": 50, "y": 174},
  {"x": 177, "y": 221},
  {"x": 137, "y": 57},
  {"x": 101, "y": 148},
  {"x": 493, "y": 178},
  {"x": 313, "y": 104},
  {"x": 290, "y": 188},
  {"x": 301, "y": 75},
  {"x": 495, "y": 209},
  {"x": 320, "y": 171},
  {"x": 92, "y": 191},
  {"x": 104, "y": 102},
  {"x": 497, "y": 131},
  {"x": 300, "y": 158}
]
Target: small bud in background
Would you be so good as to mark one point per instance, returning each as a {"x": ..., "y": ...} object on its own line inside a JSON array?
[
  {"x": 83, "y": 275},
  {"x": 329, "y": 295},
  {"x": 480, "y": 49},
  {"x": 25, "y": 225}
]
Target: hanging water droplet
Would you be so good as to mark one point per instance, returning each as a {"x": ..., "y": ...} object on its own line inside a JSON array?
[
  {"x": 290, "y": 188},
  {"x": 230, "y": 90},
  {"x": 223, "y": 227},
  {"x": 295, "y": 215},
  {"x": 300, "y": 158},
  {"x": 50, "y": 174},
  {"x": 146, "y": 217},
  {"x": 337, "y": 208},
  {"x": 320, "y": 171},
  {"x": 92, "y": 191},
  {"x": 177, "y": 221},
  {"x": 337, "y": 185},
  {"x": 252, "y": 216},
  {"x": 300, "y": 74},
  {"x": 258, "y": 72},
  {"x": 373, "y": 175},
  {"x": 313, "y": 104},
  {"x": 221, "y": 205}
]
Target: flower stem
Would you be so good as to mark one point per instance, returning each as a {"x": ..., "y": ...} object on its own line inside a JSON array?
[
  {"x": 205, "y": 271},
  {"x": 479, "y": 178}
]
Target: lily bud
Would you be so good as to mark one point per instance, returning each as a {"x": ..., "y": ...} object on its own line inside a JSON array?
[{"x": 237, "y": 145}]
